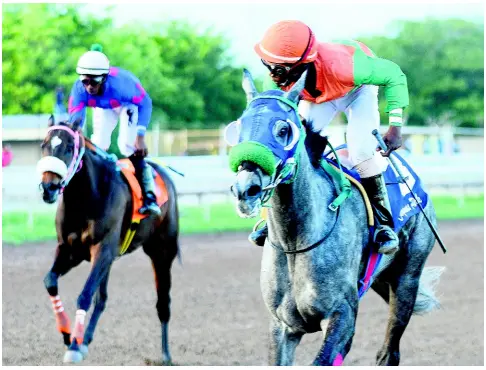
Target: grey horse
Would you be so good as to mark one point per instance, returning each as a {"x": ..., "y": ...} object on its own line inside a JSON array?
[{"x": 313, "y": 255}]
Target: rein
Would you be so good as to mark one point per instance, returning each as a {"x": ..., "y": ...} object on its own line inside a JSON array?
[{"x": 313, "y": 246}]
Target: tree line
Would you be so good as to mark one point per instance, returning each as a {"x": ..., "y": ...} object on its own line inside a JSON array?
[{"x": 195, "y": 83}]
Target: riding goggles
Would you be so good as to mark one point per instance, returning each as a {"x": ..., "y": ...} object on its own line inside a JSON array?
[{"x": 93, "y": 81}]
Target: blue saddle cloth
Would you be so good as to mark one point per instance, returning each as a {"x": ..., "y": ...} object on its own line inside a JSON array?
[{"x": 403, "y": 206}]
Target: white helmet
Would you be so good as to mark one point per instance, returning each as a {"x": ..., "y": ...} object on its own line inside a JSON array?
[{"x": 93, "y": 62}]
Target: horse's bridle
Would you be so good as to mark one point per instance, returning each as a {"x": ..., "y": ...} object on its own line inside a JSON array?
[
  {"x": 76, "y": 162},
  {"x": 277, "y": 178},
  {"x": 286, "y": 173}
]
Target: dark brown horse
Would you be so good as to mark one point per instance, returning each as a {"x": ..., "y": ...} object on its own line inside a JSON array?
[{"x": 93, "y": 217}]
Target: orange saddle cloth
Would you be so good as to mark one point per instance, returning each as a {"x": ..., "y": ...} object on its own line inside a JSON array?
[{"x": 128, "y": 171}]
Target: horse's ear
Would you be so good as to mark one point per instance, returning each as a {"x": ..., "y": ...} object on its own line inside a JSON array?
[
  {"x": 248, "y": 86},
  {"x": 76, "y": 124},
  {"x": 294, "y": 93},
  {"x": 50, "y": 121}
]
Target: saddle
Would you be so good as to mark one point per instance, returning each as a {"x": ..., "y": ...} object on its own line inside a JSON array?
[
  {"x": 128, "y": 170},
  {"x": 403, "y": 205}
]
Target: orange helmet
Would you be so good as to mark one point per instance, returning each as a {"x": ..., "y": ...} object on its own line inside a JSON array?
[{"x": 288, "y": 42}]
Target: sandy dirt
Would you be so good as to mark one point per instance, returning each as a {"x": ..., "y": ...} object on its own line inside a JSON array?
[{"x": 218, "y": 316}]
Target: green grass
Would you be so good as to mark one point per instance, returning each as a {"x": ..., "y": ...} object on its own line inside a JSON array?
[
  {"x": 17, "y": 228},
  {"x": 452, "y": 208}
]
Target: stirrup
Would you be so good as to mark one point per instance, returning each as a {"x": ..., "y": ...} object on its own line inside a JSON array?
[
  {"x": 150, "y": 208},
  {"x": 390, "y": 246}
]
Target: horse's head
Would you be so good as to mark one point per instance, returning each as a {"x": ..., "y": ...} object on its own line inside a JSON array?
[
  {"x": 61, "y": 156},
  {"x": 266, "y": 142}
]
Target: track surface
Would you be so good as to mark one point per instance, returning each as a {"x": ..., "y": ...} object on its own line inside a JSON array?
[{"x": 218, "y": 316}]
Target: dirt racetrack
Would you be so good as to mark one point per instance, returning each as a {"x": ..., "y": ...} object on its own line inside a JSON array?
[{"x": 218, "y": 316}]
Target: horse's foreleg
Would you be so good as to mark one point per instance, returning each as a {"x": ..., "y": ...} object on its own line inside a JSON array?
[
  {"x": 62, "y": 264},
  {"x": 339, "y": 334},
  {"x": 99, "y": 306},
  {"x": 283, "y": 343},
  {"x": 102, "y": 256}
]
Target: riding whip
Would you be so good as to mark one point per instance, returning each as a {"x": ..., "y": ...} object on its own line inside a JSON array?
[{"x": 403, "y": 179}]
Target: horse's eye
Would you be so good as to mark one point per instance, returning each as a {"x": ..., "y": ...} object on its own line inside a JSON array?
[
  {"x": 70, "y": 147},
  {"x": 283, "y": 131}
]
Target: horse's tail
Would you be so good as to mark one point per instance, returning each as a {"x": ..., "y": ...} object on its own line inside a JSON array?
[{"x": 426, "y": 300}]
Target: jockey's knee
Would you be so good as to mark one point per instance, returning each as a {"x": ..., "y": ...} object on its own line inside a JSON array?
[
  {"x": 100, "y": 141},
  {"x": 371, "y": 166},
  {"x": 125, "y": 149}
]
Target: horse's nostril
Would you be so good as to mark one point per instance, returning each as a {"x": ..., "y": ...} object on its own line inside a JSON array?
[{"x": 254, "y": 190}]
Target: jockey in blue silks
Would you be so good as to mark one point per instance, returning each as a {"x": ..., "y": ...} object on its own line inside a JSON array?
[{"x": 115, "y": 94}]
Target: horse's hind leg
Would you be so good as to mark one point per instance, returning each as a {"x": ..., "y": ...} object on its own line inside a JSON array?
[
  {"x": 401, "y": 300},
  {"x": 404, "y": 286},
  {"x": 162, "y": 252},
  {"x": 340, "y": 332},
  {"x": 99, "y": 306},
  {"x": 62, "y": 264}
]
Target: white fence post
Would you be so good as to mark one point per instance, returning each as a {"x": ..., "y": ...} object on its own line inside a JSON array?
[
  {"x": 222, "y": 142},
  {"x": 155, "y": 139}
]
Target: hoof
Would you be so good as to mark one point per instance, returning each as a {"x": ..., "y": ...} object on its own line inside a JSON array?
[
  {"x": 83, "y": 348},
  {"x": 73, "y": 357},
  {"x": 149, "y": 362}
]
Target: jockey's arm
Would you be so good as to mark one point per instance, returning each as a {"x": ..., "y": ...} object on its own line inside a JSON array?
[
  {"x": 136, "y": 94},
  {"x": 382, "y": 72},
  {"x": 78, "y": 101},
  {"x": 144, "y": 114}
]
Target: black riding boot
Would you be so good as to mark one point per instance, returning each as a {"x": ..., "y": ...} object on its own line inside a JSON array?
[
  {"x": 385, "y": 238},
  {"x": 143, "y": 172}
]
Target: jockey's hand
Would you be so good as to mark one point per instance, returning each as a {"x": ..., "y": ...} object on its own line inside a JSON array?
[
  {"x": 140, "y": 146},
  {"x": 392, "y": 139}
]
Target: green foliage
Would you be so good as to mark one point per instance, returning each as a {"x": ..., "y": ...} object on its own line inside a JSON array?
[
  {"x": 187, "y": 73},
  {"x": 443, "y": 61},
  {"x": 192, "y": 79},
  {"x": 41, "y": 44}
]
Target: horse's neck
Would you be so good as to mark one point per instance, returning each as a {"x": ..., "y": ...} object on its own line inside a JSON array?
[
  {"x": 83, "y": 191},
  {"x": 299, "y": 212}
]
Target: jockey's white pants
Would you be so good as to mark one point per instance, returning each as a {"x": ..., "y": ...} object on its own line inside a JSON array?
[
  {"x": 105, "y": 121},
  {"x": 361, "y": 110}
]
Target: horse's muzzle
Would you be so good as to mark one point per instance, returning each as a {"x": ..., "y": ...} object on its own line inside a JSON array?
[
  {"x": 248, "y": 191},
  {"x": 50, "y": 191}
]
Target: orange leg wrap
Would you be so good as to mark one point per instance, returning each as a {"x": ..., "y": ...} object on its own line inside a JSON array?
[{"x": 62, "y": 319}]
